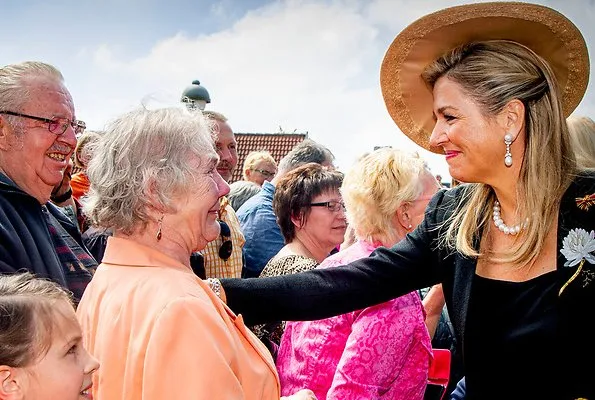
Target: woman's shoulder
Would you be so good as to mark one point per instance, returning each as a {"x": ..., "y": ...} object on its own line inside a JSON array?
[
  {"x": 175, "y": 284},
  {"x": 455, "y": 194},
  {"x": 289, "y": 264},
  {"x": 178, "y": 299},
  {"x": 150, "y": 293},
  {"x": 584, "y": 181},
  {"x": 443, "y": 204}
]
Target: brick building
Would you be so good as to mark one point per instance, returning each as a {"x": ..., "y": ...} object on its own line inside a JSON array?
[{"x": 278, "y": 144}]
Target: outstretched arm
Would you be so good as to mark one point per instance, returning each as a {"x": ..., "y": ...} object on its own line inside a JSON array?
[{"x": 411, "y": 264}]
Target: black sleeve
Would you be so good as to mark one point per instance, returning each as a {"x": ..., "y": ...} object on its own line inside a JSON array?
[
  {"x": 22, "y": 250},
  {"x": 95, "y": 239},
  {"x": 411, "y": 264}
]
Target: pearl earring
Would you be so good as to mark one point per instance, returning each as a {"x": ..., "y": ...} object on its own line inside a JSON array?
[{"x": 508, "y": 155}]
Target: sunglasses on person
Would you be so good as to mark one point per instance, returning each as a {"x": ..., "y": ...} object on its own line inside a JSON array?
[
  {"x": 227, "y": 245},
  {"x": 56, "y": 125},
  {"x": 265, "y": 173},
  {"x": 333, "y": 206}
]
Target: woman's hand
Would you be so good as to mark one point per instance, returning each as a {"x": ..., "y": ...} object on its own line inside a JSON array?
[{"x": 304, "y": 394}]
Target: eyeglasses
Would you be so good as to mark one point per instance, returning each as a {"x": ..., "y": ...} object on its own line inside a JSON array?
[
  {"x": 333, "y": 206},
  {"x": 56, "y": 125},
  {"x": 227, "y": 245},
  {"x": 265, "y": 173}
]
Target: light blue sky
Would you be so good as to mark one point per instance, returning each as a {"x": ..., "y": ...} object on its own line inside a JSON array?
[{"x": 297, "y": 64}]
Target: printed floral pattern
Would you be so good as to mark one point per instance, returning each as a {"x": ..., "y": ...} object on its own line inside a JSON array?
[
  {"x": 381, "y": 352},
  {"x": 578, "y": 245}
]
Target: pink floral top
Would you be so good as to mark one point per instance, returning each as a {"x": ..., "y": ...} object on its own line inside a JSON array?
[{"x": 381, "y": 352}]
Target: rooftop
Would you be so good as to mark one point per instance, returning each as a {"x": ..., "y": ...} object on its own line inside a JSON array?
[{"x": 278, "y": 144}]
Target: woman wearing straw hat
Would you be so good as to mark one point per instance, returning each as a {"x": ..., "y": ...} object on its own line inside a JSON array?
[{"x": 488, "y": 85}]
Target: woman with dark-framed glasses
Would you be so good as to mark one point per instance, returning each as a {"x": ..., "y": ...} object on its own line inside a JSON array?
[{"x": 311, "y": 215}]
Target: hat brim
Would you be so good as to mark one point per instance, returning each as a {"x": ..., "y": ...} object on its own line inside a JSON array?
[{"x": 545, "y": 31}]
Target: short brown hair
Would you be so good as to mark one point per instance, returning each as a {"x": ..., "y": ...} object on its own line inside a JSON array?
[
  {"x": 27, "y": 317},
  {"x": 294, "y": 193}
]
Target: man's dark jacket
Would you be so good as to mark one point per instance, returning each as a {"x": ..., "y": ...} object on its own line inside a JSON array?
[{"x": 25, "y": 241}]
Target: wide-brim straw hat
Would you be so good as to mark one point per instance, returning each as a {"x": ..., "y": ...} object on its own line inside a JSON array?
[{"x": 542, "y": 29}]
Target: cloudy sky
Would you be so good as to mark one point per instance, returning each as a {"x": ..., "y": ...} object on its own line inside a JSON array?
[{"x": 296, "y": 65}]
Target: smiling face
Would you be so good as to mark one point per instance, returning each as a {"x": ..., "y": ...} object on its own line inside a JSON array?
[
  {"x": 473, "y": 144},
  {"x": 226, "y": 145},
  {"x": 35, "y": 158},
  {"x": 197, "y": 220},
  {"x": 64, "y": 372}
]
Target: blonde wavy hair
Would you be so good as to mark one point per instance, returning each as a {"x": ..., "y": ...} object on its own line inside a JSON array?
[
  {"x": 582, "y": 138},
  {"x": 376, "y": 186},
  {"x": 493, "y": 73}
]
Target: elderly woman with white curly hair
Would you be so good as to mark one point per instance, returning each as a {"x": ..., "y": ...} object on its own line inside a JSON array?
[{"x": 158, "y": 329}]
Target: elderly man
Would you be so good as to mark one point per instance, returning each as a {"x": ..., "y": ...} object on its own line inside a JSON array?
[
  {"x": 38, "y": 132},
  {"x": 257, "y": 218},
  {"x": 223, "y": 256}
]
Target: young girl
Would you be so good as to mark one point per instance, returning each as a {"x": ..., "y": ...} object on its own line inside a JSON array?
[{"x": 41, "y": 351}]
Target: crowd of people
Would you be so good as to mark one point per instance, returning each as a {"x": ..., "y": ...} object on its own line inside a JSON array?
[{"x": 131, "y": 268}]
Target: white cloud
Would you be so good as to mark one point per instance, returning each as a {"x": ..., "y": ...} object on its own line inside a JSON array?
[{"x": 304, "y": 65}]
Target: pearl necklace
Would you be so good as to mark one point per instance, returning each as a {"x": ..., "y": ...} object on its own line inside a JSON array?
[{"x": 508, "y": 230}]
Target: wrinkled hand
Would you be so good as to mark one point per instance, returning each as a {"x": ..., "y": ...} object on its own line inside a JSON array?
[{"x": 304, "y": 394}]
